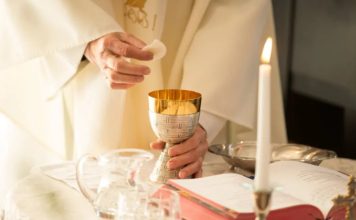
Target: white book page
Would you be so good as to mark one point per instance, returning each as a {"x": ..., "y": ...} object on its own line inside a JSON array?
[
  {"x": 232, "y": 191},
  {"x": 313, "y": 184}
]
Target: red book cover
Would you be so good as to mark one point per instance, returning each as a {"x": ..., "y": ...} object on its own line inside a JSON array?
[
  {"x": 226, "y": 196},
  {"x": 195, "y": 208}
]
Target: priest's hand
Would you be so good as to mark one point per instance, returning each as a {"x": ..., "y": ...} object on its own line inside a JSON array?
[
  {"x": 110, "y": 53},
  {"x": 188, "y": 155}
]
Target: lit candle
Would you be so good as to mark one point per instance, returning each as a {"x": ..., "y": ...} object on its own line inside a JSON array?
[{"x": 263, "y": 154}]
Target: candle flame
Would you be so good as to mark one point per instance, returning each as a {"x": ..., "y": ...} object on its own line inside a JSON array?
[{"x": 267, "y": 50}]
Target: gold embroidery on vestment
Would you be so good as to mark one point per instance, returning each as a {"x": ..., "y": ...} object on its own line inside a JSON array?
[{"x": 134, "y": 10}]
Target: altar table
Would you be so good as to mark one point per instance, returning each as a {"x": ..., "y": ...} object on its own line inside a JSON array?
[{"x": 40, "y": 197}]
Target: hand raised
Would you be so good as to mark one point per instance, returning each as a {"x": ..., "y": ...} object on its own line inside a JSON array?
[{"x": 110, "y": 53}]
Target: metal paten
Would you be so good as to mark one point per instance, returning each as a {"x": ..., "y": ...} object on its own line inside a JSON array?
[
  {"x": 174, "y": 116},
  {"x": 242, "y": 155}
]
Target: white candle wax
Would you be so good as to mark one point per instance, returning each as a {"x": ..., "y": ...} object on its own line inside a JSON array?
[{"x": 263, "y": 152}]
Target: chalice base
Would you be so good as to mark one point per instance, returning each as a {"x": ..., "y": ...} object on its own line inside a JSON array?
[{"x": 160, "y": 173}]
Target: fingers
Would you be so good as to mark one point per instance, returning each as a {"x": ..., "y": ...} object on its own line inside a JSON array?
[
  {"x": 157, "y": 145},
  {"x": 121, "y": 65},
  {"x": 198, "y": 136},
  {"x": 130, "y": 51},
  {"x": 130, "y": 39},
  {"x": 198, "y": 174},
  {"x": 120, "y": 73},
  {"x": 114, "y": 85},
  {"x": 109, "y": 52},
  {"x": 189, "y": 155},
  {"x": 195, "y": 163},
  {"x": 118, "y": 47},
  {"x": 187, "y": 158},
  {"x": 191, "y": 169}
]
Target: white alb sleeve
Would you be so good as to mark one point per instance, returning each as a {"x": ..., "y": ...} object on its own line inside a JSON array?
[
  {"x": 212, "y": 124},
  {"x": 55, "y": 31}
]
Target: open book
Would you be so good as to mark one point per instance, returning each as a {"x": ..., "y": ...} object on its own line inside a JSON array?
[{"x": 301, "y": 191}]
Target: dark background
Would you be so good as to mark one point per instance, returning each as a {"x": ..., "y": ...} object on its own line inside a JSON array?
[{"x": 316, "y": 42}]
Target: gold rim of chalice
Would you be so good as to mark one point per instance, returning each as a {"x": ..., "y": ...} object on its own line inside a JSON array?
[{"x": 174, "y": 101}]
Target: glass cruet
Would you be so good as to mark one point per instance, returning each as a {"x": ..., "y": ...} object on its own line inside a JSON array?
[{"x": 120, "y": 172}]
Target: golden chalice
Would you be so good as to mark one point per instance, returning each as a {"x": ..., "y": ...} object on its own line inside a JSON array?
[{"x": 174, "y": 116}]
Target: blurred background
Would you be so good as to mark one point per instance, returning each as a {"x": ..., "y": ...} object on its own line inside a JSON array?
[{"x": 316, "y": 42}]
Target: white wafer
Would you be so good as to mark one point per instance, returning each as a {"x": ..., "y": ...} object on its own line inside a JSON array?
[{"x": 157, "y": 48}]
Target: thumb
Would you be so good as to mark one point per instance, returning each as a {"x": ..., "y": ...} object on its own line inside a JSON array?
[{"x": 157, "y": 144}]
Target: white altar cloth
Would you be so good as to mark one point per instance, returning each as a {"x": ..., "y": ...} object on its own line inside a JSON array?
[{"x": 40, "y": 197}]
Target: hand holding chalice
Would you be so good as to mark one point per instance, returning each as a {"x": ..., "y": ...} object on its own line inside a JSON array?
[{"x": 174, "y": 116}]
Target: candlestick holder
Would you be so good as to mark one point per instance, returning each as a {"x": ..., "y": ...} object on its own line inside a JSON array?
[{"x": 262, "y": 204}]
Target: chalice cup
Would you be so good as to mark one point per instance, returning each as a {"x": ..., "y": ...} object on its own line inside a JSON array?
[{"x": 174, "y": 116}]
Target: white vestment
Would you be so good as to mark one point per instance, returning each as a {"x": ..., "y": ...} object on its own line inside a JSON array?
[{"x": 64, "y": 108}]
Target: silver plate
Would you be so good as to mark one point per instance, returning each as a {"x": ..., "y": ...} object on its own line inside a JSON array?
[{"x": 242, "y": 155}]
